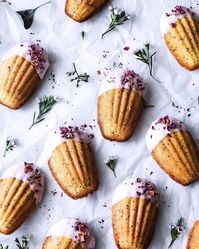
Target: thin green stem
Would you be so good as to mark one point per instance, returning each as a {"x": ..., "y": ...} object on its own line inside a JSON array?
[{"x": 42, "y": 5}]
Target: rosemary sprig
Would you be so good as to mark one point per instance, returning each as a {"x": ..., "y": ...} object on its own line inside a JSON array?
[
  {"x": 10, "y": 144},
  {"x": 176, "y": 230},
  {"x": 111, "y": 163},
  {"x": 118, "y": 17},
  {"x": 45, "y": 105},
  {"x": 23, "y": 244},
  {"x": 78, "y": 77},
  {"x": 147, "y": 58}
]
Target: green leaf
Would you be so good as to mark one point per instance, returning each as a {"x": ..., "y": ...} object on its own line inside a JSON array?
[
  {"x": 175, "y": 232},
  {"x": 82, "y": 35},
  {"x": 28, "y": 15}
]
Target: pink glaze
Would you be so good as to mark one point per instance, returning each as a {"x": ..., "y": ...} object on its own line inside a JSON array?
[
  {"x": 27, "y": 172},
  {"x": 33, "y": 53},
  {"x": 137, "y": 188},
  {"x": 74, "y": 229}
]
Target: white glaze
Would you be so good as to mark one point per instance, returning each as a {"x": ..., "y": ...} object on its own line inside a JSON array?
[
  {"x": 34, "y": 177},
  {"x": 158, "y": 131},
  {"x": 134, "y": 188},
  {"x": 54, "y": 139},
  {"x": 23, "y": 49},
  {"x": 66, "y": 228},
  {"x": 113, "y": 81},
  {"x": 170, "y": 17}
]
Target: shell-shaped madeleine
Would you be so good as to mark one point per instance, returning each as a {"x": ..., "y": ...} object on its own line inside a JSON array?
[
  {"x": 18, "y": 79},
  {"x": 73, "y": 166},
  {"x": 119, "y": 111},
  {"x": 16, "y": 203},
  {"x": 21, "y": 70},
  {"x": 69, "y": 233},
  {"x": 174, "y": 149},
  {"x": 135, "y": 208},
  {"x": 182, "y": 37},
  {"x": 81, "y": 10},
  {"x": 178, "y": 156},
  {"x": 193, "y": 240},
  {"x": 21, "y": 190},
  {"x": 134, "y": 221},
  {"x": 120, "y": 104}
]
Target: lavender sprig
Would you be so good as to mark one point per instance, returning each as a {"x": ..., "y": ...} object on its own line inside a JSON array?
[
  {"x": 147, "y": 58},
  {"x": 78, "y": 77},
  {"x": 10, "y": 144},
  {"x": 111, "y": 163},
  {"x": 23, "y": 244},
  {"x": 118, "y": 17},
  {"x": 176, "y": 230},
  {"x": 45, "y": 105}
]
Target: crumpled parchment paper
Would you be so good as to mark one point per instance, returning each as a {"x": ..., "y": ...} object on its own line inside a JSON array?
[{"x": 61, "y": 38}]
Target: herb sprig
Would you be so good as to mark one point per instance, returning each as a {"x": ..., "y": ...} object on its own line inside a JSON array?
[
  {"x": 23, "y": 244},
  {"x": 28, "y": 15},
  {"x": 111, "y": 163},
  {"x": 146, "y": 57},
  {"x": 10, "y": 144},
  {"x": 84, "y": 77},
  {"x": 118, "y": 17},
  {"x": 45, "y": 105},
  {"x": 1, "y": 247},
  {"x": 176, "y": 230}
]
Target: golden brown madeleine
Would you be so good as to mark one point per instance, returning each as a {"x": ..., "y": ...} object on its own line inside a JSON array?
[
  {"x": 180, "y": 28},
  {"x": 69, "y": 233},
  {"x": 174, "y": 149},
  {"x": 21, "y": 190},
  {"x": 72, "y": 162},
  {"x": 21, "y": 71},
  {"x": 134, "y": 213},
  {"x": 120, "y": 104},
  {"x": 193, "y": 240},
  {"x": 81, "y": 10}
]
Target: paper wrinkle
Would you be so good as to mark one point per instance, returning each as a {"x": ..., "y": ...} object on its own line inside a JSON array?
[{"x": 61, "y": 38}]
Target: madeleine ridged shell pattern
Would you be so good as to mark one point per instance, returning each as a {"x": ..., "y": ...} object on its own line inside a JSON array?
[
  {"x": 134, "y": 221},
  {"x": 193, "y": 240},
  {"x": 178, "y": 156},
  {"x": 81, "y": 10},
  {"x": 60, "y": 243},
  {"x": 119, "y": 111},
  {"x": 73, "y": 166},
  {"x": 183, "y": 41},
  {"x": 18, "y": 79},
  {"x": 16, "y": 203}
]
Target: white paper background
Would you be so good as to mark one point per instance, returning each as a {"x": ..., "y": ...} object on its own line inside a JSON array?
[{"x": 60, "y": 36}]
